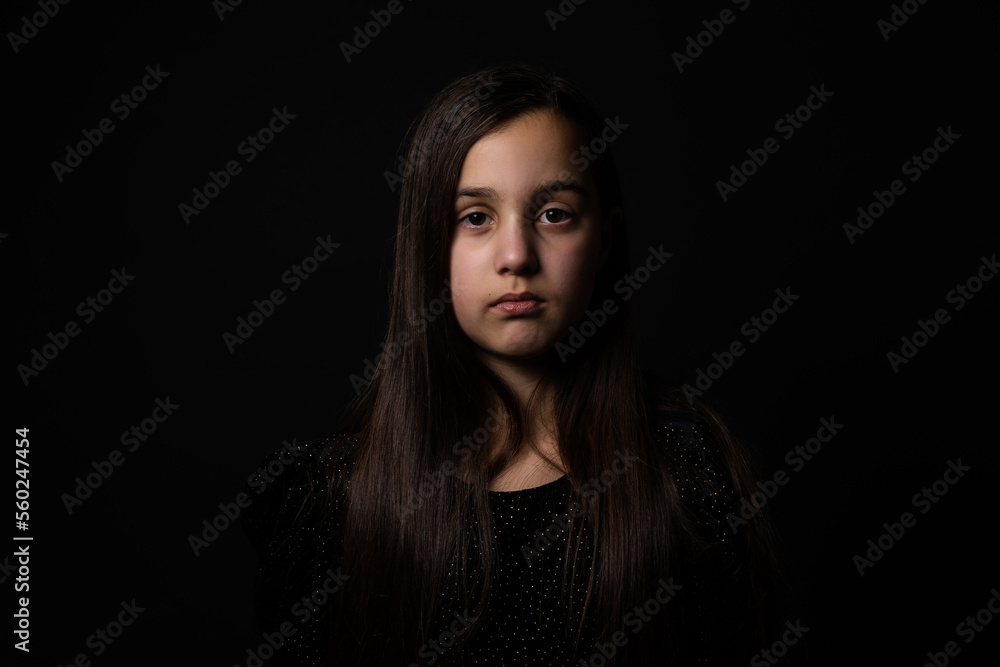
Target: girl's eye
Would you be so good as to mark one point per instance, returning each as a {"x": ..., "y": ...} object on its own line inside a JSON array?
[
  {"x": 555, "y": 215},
  {"x": 475, "y": 219}
]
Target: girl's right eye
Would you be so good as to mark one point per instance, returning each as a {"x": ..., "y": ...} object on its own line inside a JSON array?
[{"x": 475, "y": 219}]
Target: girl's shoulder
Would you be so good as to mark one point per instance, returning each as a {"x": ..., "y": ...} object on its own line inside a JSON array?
[
  {"x": 688, "y": 439},
  {"x": 294, "y": 522},
  {"x": 699, "y": 469},
  {"x": 295, "y": 483}
]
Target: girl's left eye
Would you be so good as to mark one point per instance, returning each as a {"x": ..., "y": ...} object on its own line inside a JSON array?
[{"x": 555, "y": 215}]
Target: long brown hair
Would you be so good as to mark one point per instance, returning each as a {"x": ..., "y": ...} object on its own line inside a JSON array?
[{"x": 431, "y": 391}]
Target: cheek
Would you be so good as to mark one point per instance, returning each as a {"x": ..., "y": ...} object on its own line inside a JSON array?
[
  {"x": 577, "y": 272},
  {"x": 461, "y": 303},
  {"x": 460, "y": 278}
]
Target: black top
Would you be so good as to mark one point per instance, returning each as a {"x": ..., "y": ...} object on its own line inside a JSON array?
[{"x": 300, "y": 556}]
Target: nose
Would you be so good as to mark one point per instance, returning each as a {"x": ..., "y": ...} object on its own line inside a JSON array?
[{"x": 515, "y": 247}]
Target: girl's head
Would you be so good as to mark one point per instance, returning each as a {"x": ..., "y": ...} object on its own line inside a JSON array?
[
  {"x": 506, "y": 192},
  {"x": 529, "y": 229}
]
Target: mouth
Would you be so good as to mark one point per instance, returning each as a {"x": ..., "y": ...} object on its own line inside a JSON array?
[{"x": 518, "y": 303}]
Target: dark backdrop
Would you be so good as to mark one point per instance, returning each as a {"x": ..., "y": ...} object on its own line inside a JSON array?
[{"x": 323, "y": 175}]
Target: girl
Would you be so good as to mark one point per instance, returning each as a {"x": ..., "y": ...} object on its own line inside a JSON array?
[{"x": 510, "y": 489}]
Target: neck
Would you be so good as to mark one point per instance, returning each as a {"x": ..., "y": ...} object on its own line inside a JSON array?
[
  {"x": 537, "y": 460},
  {"x": 521, "y": 375}
]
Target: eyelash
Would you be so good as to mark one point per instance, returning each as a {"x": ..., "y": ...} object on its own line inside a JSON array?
[{"x": 541, "y": 213}]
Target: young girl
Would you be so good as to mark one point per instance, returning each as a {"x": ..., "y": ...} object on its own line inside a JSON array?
[{"x": 511, "y": 489}]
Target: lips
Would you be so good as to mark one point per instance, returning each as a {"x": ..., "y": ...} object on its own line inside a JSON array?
[
  {"x": 517, "y": 296},
  {"x": 520, "y": 303}
]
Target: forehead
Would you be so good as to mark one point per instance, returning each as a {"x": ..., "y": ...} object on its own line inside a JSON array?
[{"x": 536, "y": 146}]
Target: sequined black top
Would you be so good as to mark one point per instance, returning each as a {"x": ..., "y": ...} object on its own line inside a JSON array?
[{"x": 299, "y": 566}]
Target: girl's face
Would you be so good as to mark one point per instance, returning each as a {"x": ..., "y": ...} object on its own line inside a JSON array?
[{"x": 527, "y": 220}]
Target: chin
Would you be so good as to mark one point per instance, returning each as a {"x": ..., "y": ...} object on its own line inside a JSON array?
[{"x": 519, "y": 351}]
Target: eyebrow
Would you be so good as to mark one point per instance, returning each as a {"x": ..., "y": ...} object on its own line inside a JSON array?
[{"x": 551, "y": 187}]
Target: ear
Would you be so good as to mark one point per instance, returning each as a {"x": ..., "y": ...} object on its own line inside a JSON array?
[{"x": 609, "y": 224}]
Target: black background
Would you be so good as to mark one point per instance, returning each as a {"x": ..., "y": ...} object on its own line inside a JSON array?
[{"x": 325, "y": 175}]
